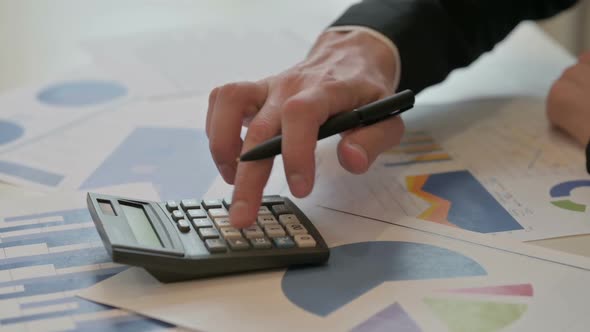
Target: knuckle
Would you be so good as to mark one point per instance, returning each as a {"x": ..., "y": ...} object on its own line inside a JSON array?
[
  {"x": 570, "y": 72},
  {"x": 259, "y": 130},
  {"x": 231, "y": 90},
  {"x": 557, "y": 93},
  {"x": 213, "y": 95},
  {"x": 296, "y": 107}
]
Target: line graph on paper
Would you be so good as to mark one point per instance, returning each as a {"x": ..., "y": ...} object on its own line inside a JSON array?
[{"x": 45, "y": 258}]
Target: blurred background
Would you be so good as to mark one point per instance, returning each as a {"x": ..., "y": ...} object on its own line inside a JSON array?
[{"x": 41, "y": 38}]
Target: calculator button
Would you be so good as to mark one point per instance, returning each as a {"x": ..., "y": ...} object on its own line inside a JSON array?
[
  {"x": 283, "y": 242},
  {"x": 294, "y": 229},
  {"x": 280, "y": 209},
  {"x": 183, "y": 226},
  {"x": 196, "y": 213},
  {"x": 230, "y": 233},
  {"x": 272, "y": 200},
  {"x": 263, "y": 210},
  {"x": 222, "y": 222},
  {"x": 253, "y": 232},
  {"x": 171, "y": 205},
  {"x": 267, "y": 220},
  {"x": 215, "y": 245},
  {"x": 238, "y": 244},
  {"x": 304, "y": 241},
  {"x": 260, "y": 243},
  {"x": 177, "y": 215},
  {"x": 188, "y": 204},
  {"x": 211, "y": 204},
  {"x": 208, "y": 233},
  {"x": 274, "y": 231},
  {"x": 286, "y": 219},
  {"x": 227, "y": 202},
  {"x": 202, "y": 222},
  {"x": 218, "y": 213}
]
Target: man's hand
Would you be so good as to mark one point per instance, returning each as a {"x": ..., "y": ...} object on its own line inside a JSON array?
[
  {"x": 344, "y": 70},
  {"x": 568, "y": 103}
]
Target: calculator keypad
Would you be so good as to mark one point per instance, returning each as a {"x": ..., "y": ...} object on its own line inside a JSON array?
[{"x": 276, "y": 225}]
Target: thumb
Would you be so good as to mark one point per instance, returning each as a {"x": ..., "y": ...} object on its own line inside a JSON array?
[{"x": 359, "y": 148}]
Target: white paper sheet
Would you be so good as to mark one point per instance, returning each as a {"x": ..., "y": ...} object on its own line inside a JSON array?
[
  {"x": 491, "y": 166},
  {"x": 376, "y": 267}
]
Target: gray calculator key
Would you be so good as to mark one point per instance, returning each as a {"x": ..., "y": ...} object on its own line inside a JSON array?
[
  {"x": 211, "y": 204},
  {"x": 304, "y": 241},
  {"x": 280, "y": 209},
  {"x": 238, "y": 244},
  {"x": 286, "y": 219},
  {"x": 215, "y": 245},
  {"x": 183, "y": 226},
  {"x": 222, "y": 222},
  {"x": 272, "y": 200},
  {"x": 230, "y": 233},
  {"x": 171, "y": 205},
  {"x": 274, "y": 230},
  {"x": 208, "y": 233},
  {"x": 188, "y": 204},
  {"x": 253, "y": 232},
  {"x": 227, "y": 202},
  {"x": 260, "y": 243},
  {"x": 263, "y": 210},
  {"x": 177, "y": 215},
  {"x": 294, "y": 229},
  {"x": 196, "y": 213},
  {"x": 283, "y": 242},
  {"x": 218, "y": 213},
  {"x": 202, "y": 222},
  {"x": 267, "y": 220}
]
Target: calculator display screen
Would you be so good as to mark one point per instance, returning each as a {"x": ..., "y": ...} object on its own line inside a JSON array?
[{"x": 141, "y": 226}]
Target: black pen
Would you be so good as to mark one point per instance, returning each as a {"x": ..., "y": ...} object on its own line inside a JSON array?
[{"x": 363, "y": 116}]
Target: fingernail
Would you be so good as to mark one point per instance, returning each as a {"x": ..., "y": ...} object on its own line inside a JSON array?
[
  {"x": 227, "y": 172},
  {"x": 238, "y": 211},
  {"x": 298, "y": 184}
]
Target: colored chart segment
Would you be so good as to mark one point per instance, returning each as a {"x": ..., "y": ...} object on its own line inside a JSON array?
[
  {"x": 507, "y": 290},
  {"x": 31, "y": 174},
  {"x": 564, "y": 190},
  {"x": 482, "y": 316},
  {"x": 415, "y": 148},
  {"x": 567, "y": 204},
  {"x": 176, "y": 160},
  {"x": 81, "y": 93},
  {"x": 9, "y": 131},
  {"x": 392, "y": 318},
  {"x": 355, "y": 269},
  {"x": 458, "y": 199},
  {"x": 47, "y": 257}
]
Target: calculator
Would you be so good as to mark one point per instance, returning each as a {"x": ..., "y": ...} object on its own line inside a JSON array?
[{"x": 190, "y": 238}]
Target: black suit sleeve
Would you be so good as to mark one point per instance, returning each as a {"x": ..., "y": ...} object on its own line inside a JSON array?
[{"x": 436, "y": 36}]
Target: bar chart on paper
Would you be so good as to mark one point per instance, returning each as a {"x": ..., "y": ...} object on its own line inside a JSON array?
[
  {"x": 45, "y": 258},
  {"x": 415, "y": 148}
]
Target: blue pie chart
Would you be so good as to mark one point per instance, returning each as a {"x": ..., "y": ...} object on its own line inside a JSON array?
[
  {"x": 9, "y": 132},
  {"x": 354, "y": 269},
  {"x": 81, "y": 93}
]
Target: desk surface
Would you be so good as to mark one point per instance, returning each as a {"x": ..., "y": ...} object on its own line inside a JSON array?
[{"x": 40, "y": 40}]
